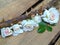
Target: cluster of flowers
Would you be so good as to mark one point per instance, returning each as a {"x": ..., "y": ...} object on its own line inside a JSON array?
[{"x": 50, "y": 16}]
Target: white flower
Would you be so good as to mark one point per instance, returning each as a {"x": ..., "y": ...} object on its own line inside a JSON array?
[
  {"x": 16, "y": 29},
  {"x": 51, "y": 16},
  {"x": 23, "y": 22},
  {"x": 37, "y": 18},
  {"x": 34, "y": 23},
  {"x": 6, "y": 32},
  {"x": 28, "y": 25}
]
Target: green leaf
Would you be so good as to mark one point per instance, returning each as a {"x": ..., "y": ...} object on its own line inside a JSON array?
[
  {"x": 42, "y": 24},
  {"x": 49, "y": 28},
  {"x": 41, "y": 30}
]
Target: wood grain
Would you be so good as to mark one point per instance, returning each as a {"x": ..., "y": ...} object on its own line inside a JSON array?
[
  {"x": 32, "y": 38},
  {"x": 12, "y": 8}
]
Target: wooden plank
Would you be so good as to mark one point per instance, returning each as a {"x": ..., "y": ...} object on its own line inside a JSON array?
[
  {"x": 14, "y": 8},
  {"x": 58, "y": 42},
  {"x": 18, "y": 18},
  {"x": 44, "y": 5},
  {"x": 32, "y": 38},
  {"x": 55, "y": 39}
]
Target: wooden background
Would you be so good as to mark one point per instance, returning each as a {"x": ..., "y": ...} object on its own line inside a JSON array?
[
  {"x": 12, "y": 8},
  {"x": 27, "y": 38}
]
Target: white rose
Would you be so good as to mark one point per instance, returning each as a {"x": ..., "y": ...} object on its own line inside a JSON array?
[
  {"x": 16, "y": 29},
  {"x": 2, "y": 32},
  {"x": 51, "y": 16},
  {"x": 23, "y": 22},
  {"x": 6, "y": 32},
  {"x": 28, "y": 25},
  {"x": 37, "y": 18}
]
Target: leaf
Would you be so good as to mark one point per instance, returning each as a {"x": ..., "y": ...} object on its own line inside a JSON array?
[
  {"x": 42, "y": 27},
  {"x": 42, "y": 24},
  {"x": 49, "y": 28},
  {"x": 41, "y": 30}
]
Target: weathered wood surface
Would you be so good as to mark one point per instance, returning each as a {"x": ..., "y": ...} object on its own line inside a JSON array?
[
  {"x": 12, "y": 8},
  {"x": 18, "y": 18},
  {"x": 32, "y": 38},
  {"x": 58, "y": 42}
]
